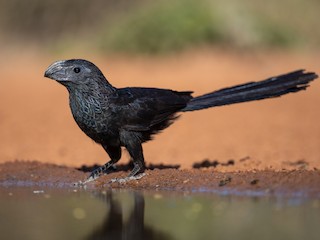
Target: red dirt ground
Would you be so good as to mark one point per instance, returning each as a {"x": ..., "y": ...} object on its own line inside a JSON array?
[
  {"x": 293, "y": 183},
  {"x": 271, "y": 138}
]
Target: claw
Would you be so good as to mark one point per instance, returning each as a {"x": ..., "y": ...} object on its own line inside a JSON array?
[
  {"x": 83, "y": 183},
  {"x": 80, "y": 184},
  {"x": 91, "y": 178}
]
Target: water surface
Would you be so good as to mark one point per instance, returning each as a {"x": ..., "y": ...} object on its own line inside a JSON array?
[{"x": 28, "y": 213}]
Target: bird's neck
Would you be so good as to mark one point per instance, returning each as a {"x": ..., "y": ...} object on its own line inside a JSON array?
[{"x": 90, "y": 97}]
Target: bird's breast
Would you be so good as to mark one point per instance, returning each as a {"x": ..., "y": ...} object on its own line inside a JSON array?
[{"x": 89, "y": 114}]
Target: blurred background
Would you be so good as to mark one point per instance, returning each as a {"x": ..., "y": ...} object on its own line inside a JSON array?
[
  {"x": 180, "y": 44},
  {"x": 148, "y": 27}
]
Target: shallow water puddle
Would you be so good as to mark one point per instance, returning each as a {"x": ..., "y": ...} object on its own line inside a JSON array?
[{"x": 28, "y": 213}]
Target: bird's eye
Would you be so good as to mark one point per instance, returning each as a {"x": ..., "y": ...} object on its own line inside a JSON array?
[{"x": 76, "y": 70}]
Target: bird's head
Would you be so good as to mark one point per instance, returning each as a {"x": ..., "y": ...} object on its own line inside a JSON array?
[{"x": 75, "y": 72}]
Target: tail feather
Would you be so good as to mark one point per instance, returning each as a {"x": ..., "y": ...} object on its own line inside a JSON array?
[{"x": 269, "y": 88}]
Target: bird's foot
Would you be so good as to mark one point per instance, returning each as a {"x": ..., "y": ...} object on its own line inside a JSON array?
[
  {"x": 83, "y": 183},
  {"x": 80, "y": 184},
  {"x": 127, "y": 179}
]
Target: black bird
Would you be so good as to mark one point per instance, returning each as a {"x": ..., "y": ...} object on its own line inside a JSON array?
[{"x": 127, "y": 117}]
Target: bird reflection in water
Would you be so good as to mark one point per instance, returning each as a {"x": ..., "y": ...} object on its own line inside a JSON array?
[{"x": 114, "y": 227}]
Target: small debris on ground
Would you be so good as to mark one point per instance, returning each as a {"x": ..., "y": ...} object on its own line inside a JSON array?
[
  {"x": 254, "y": 181},
  {"x": 224, "y": 181}
]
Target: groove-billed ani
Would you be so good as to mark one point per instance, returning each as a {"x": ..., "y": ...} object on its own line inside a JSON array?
[{"x": 116, "y": 117}]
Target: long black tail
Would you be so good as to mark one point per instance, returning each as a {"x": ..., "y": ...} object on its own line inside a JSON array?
[{"x": 269, "y": 88}]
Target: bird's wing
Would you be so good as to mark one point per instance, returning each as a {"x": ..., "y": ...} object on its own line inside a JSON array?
[{"x": 140, "y": 109}]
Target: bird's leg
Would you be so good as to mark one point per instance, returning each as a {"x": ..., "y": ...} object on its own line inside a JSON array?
[
  {"x": 138, "y": 168},
  {"x": 114, "y": 153},
  {"x": 96, "y": 173},
  {"x": 135, "y": 150},
  {"x": 136, "y": 174}
]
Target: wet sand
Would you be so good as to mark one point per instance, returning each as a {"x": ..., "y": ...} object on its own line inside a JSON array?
[{"x": 291, "y": 183}]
